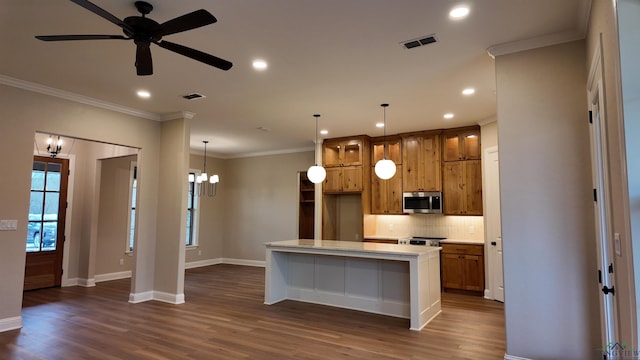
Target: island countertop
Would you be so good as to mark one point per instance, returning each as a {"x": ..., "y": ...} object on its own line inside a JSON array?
[{"x": 354, "y": 246}]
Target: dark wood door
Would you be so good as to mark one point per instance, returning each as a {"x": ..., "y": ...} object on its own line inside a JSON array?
[{"x": 47, "y": 214}]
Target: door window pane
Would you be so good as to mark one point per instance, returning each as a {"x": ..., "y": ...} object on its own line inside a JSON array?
[
  {"x": 53, "y": 177},
  {"x": 34, "y": 236},
  {"x": 51, "y": 203},
  {"x": 49, "y": 235},
  {"x": 35, "y": 206},
  {"x": 37, "y": 176}
]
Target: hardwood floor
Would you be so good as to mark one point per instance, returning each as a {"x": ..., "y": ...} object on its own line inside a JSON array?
[{"x": 225, "y": 318}]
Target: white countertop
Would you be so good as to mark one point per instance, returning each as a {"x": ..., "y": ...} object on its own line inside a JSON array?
[
  {"x": 354, "y": 246},
  {"x": 391, "y": 237},
  {"x": 456, "y": 241}
]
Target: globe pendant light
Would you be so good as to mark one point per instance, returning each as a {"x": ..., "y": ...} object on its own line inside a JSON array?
[
  {"x": 316, "y": 174},
  {"x": 385, "y": 169}
]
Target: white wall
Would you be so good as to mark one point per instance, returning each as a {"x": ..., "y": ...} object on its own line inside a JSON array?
[{"x": 551, "y": 289}]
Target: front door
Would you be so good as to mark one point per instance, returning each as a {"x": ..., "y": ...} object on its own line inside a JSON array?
[{"x": 45, "y": 235}]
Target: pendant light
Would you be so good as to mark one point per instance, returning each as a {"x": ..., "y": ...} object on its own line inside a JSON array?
[
  {"x": 385, "y": 169},
  {"x": 206, "y": 184},
  {"x": 316, "y": 173}
]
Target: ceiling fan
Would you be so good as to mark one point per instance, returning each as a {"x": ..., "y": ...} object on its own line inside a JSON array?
[{"x": 144, "y": 31}]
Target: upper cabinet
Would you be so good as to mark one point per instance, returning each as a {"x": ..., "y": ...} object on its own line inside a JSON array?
[
  {"x": 393, "y": 149},
  {"x": 344, "y": 160},
  {"x": 342, "y": 152},
  {"x": 462, "y": 188},
  {"x": 461, "y": 144},
  {"x": 421, "y": 167}
]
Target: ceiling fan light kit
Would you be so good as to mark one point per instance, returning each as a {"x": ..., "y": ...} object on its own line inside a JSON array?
[{"x": 144, "y": 31}]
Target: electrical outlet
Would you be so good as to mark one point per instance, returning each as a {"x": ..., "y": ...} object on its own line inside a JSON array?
[
  {"x": 199, "y": 252},
  {"x": 472, "y": 229},
  {"x": 121, "y": 261},
  {"x": 357, "y": 236},
  {"x": 391, "y": 226}
]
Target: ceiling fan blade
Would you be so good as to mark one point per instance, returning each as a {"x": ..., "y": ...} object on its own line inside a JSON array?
[
  {"x": 144, "y": 64},
  {"x": 79, "y": 37},
  {"x": 103, "y": 13},
  {"x": 196, "y": 55},
  {"x": 186, "y": 22}
]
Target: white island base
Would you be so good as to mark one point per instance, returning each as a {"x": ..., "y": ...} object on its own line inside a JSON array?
[{"x": 396, "y": 280}]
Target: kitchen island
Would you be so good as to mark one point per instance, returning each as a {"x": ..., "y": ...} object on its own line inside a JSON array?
[{"x": 395, "y": 280}]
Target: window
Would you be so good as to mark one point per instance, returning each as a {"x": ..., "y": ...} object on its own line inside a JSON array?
[
  {"x": 192, "y": 212},
  {"x": 132, "y": 200},
  {"x": 43, "y": 206}
]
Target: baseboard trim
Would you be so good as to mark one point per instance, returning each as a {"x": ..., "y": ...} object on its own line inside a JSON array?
[
  {"x": 201, "y": 263},
  {"x": 487, "y": 294},
  {"x": 175, "y": 299},
  {"x": 511, "y": 357},
  {"x": 87, "y": 282},
  {"x": 113, "y": 276},
  {"x": 135, "y": 298},
  {"x": 256, "y": 263},
  {"x": 70, "y": 282},
  {"x": 11, "y": 323}
]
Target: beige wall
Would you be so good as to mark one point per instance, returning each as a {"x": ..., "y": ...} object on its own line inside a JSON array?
[
  {"x": 114, "y": 211},
  {"x": 22, "y": 113},
  {"x": 603, "y": 25},
  {"x": 551, "y": 302},
  {"x": 261, "y": 195}
]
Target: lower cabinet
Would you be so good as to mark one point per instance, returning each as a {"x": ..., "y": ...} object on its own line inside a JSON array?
[{"x": 463, "y": 267}]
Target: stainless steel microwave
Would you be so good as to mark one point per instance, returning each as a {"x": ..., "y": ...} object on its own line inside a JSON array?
[{"x": 427, "y": 202}]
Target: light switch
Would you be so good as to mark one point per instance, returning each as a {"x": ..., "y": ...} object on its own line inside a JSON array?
[{"x": 8, "y": 225}]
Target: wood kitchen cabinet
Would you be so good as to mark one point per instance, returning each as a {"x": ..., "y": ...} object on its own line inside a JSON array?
[
  {"x": 463, "y": 267},
  {"x": 461, "y": 144},
  {"x": 386, "y": 195},
  {"x": 421, "y": 162},
  {"x": 343, "y": 179},
  {"x": 342, "y": 152},
  {"x": 462, "y": 190}
]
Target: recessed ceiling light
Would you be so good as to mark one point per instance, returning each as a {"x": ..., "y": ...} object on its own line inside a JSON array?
[
  {"x": 459, "y": 12},
  {"x": 379, "y": 125},
  {"x": 144, "y": 94},
  {"x": 324, "y": 132},
  {"x": 468, "y": 91},
  {"x": 448, "y": 116},
  {"x": 259, "y": 64}
]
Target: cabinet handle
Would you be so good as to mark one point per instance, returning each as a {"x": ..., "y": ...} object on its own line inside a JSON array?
[{"x": 493, "y": 243}]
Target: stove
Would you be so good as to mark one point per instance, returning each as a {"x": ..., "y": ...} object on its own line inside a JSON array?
[{"x": 426, "y": 240}]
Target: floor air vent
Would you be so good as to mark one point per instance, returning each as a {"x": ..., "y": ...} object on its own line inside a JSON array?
[
  {"x": 410, "y": 44},
  {"x": 193, "y": 96}
]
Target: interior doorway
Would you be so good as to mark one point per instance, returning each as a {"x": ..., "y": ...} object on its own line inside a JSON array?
[{"x": 46, "y": 227}]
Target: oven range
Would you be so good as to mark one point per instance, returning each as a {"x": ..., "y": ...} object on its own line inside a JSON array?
[{"x": 425, "y": 240}]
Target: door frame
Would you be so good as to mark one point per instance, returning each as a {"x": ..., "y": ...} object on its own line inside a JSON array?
[{"x": 602, "y": 204}]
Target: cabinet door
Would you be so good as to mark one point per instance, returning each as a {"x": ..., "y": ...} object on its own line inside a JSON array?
[
  {"x": 352, "y": 178},
  {"x": 431, "y": 171},
  {"x": 378, "y": 195},
  {"x": 394, "y": 192},
  {"x": 352, "y": 152},
  {"x": 331, "y": 153},
  {"x": 473, "y": 270},
  {"x": 333, "y": 182},
  {"x": 451, "y": 147},
  {"x": 471, "y": 144},
  {"x": 412, "y": 160},
  {"x": 472, "y": 187},
  {"x": 452, "y": 271},
  {"x": 453, "y": 191},
  {"x": 393, "y": 151}
]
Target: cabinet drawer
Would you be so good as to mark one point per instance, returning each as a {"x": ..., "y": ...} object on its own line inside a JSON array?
[{"x": 465, "y": 249}]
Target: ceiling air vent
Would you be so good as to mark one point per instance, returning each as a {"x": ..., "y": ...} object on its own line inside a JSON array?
[
  {"x": 193, "y": 96},
  {"x": 410, "y": 44}
]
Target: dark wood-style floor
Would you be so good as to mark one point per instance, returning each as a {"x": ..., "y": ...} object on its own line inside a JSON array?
[{"x": 225, "y": 318}]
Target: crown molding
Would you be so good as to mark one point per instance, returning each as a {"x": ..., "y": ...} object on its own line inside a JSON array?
[
  {"x": 488, "y": 120},
  {"x": 533, "y": 43},
  {"x": 46, "y": 90},
  {"x": 178, "y": 115}
]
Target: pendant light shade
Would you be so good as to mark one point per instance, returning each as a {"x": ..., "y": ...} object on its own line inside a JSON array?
[
  {"x": 205, "y": 184},
  {"x": 385, "y": 168},
  {"x": 316, "y": 173}
]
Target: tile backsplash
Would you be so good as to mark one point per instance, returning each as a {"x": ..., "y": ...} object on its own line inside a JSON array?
[{"x": 451, "y": 227}]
